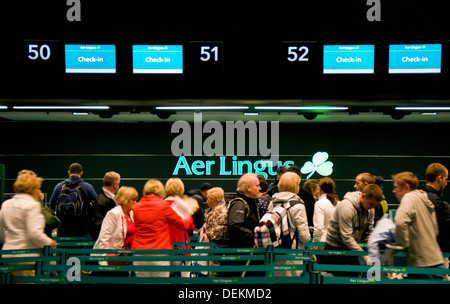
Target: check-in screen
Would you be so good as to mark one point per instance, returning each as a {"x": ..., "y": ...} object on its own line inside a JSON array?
[
  {"x": 82, "y": 58},
  {"x": 157, "y": 59},
  {"x": 348, "y": 59},
  {"x": 415, "y": 58}
]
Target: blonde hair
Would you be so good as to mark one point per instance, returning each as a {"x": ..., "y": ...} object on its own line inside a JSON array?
[
  {"x": 155, "y": 187},
  {"x": 174, "y": 187},
  {"x": 110, "y": 178},
  {"x": 404, "y": 178},
  {"x": 125, "y": 194},
  {"x": 217, "y": 193},
  {"x": 289, "y": 181},
  {"x": 27, "y": 181}
]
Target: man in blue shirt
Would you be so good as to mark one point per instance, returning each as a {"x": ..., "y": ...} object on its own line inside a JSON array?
[{"x": 75, "y": 224}]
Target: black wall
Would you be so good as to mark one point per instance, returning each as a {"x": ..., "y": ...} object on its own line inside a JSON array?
[
  {"x": 252, "y": 34},
  {"x": 142, "y": 151}
]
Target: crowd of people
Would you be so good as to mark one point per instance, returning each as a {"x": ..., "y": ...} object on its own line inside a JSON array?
[{"x": 166, "y": 213}]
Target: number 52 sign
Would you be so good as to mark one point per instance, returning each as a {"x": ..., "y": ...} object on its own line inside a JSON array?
[{"x": 300, "y": 58}]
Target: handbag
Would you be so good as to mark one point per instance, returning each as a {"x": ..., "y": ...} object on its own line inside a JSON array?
[
  {"x": 51, "y": 220},
  {"x": 115, "y": 263}
]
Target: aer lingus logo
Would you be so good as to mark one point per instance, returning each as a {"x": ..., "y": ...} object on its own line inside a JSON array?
[{"x": 319, "y": 164}]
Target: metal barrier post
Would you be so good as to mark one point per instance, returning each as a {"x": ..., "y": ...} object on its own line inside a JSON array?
[{"x": 268, "y": 261}]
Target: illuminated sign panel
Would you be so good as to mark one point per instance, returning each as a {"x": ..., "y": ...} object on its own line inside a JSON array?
[
  {"x": 414, "y": 58},
  {"x": 348, "y": 59},
  {"x": 226, "y": 166},
  {"x": 157, "y": 59},
  {"x": 237, "y": 166},
  {"x": 90, "y": 58}
]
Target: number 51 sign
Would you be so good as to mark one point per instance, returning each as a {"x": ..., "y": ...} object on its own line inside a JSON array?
[{"x": 205, "y": 58}]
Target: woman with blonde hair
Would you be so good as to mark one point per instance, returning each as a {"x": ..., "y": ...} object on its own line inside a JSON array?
[
  {"x": 21, "y": 220},
  {"x": 117, "y": 230},
  {"x": 289, "y": 186},
  {"x": 152, "y": 217},
  {"x": 216, "y": 220},
  {"x": 174, "y": 190}
]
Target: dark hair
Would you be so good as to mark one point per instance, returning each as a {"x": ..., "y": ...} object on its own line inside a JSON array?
[
  {"x": 434, "y": 170},
  {"x": 295, "y": 169},
  {"x": 263, "y": 184},
  {"x": 328, "y": 187},
  {"x": 75, "y": 168},
  {"x": 371, "y": 179},
  {"x": 205, "y": 186},
  {"x": 373, "y": 191}
]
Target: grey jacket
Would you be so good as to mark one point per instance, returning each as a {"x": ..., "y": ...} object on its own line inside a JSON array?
[
  {"x": 350, "y": 223},
  {"x": 416, "y": 229}
]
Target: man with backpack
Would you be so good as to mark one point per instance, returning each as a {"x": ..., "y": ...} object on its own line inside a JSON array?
[
  {"x": 243, "y": 217},
  {"x": 72, "y": 200},
  {"x": 243, "y": 212}
]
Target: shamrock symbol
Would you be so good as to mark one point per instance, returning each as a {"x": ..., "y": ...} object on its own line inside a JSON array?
[{"x": 319, "y": 163}]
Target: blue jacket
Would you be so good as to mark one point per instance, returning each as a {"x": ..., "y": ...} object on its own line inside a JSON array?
[{"x": 384, "y": 231}]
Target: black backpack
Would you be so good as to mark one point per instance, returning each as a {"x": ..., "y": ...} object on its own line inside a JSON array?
[{"x": 70, "y": 203}]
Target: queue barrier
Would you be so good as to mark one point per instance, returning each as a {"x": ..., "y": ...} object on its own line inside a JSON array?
[{"x": 260, "y": 265}]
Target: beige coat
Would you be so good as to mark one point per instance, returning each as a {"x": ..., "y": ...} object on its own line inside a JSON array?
[{"x": 416, "y": 229}]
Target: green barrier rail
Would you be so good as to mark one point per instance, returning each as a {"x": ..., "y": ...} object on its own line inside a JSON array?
[{"x": 272, "y": 264}]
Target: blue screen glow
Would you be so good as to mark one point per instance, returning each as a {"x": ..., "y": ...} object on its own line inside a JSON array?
[
  {"x": 157, "y": 59},
  {"x": 348, "y": 59},
  {"x": 82, "y": 58},
  {"x": 414, "y": 58}
]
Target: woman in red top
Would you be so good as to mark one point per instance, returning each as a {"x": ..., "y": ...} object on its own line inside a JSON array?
[
  {"x": 152, "y": 217},
  {"x": 174, "y": 190}
]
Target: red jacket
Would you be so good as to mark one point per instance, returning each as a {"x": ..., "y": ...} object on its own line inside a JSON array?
[
  {"x": 177, "y": 234},
  {"x": 152, "y": 219}
]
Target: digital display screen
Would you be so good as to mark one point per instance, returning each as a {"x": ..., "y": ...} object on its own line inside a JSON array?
[
  {"x": 348, "y": 59},
  {"x": 414, "y": 58},
  {"x": 157, "y": 59},
  {"x": 90, "y": 58}
]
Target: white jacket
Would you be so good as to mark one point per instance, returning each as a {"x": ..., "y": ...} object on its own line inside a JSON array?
[
  {"x": 297, "y": 218},
  {"x": 323, "y": 212},
  {"x": 114, "y": 230},
  {"x": 22, "y": 223}
]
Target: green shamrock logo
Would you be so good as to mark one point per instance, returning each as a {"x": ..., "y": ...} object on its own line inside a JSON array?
[{"x": 319, "y": 164}]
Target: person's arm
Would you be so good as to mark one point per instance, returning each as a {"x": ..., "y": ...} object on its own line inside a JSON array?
[
  {"x": 301, "y": 224},
  {"x": 2, "y": 228},
  {"x": 346, "y": 229},
  {"x": 403, "y": 219},
  {"x": 237, "y": 213},
  {"x": 54, "y": 197},
  {"x": 109, "y": 224},
  {"x": 177, "y": 220},
  {"x": 35, "y": 223},
  {"x": 318, "y": 220}
]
